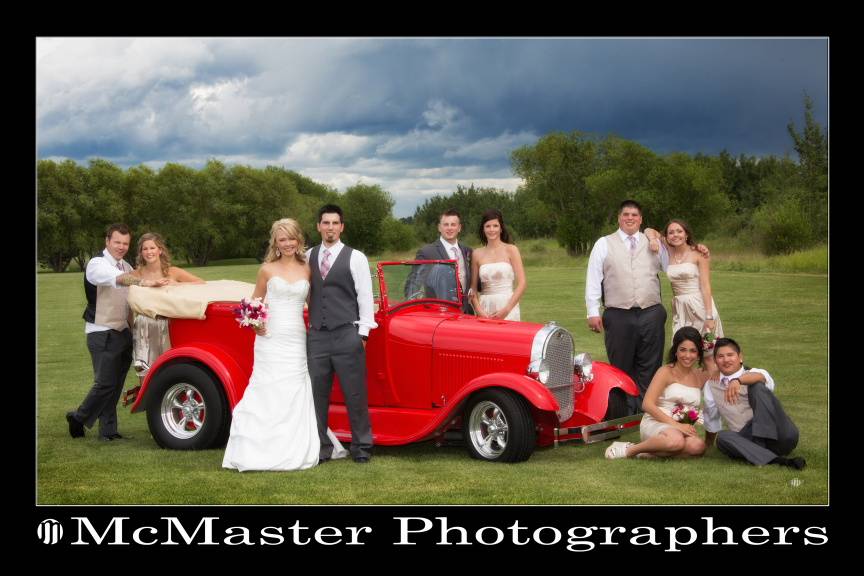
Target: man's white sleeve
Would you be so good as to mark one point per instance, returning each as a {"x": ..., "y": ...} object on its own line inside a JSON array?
[
  {"x": 594, "y": 277},
  {"x": 710, "y": 413}
]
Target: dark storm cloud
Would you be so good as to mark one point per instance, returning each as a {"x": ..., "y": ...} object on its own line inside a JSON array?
[{"x": 415, "y": 115}]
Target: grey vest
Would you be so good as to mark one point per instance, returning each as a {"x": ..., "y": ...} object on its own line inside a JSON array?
[{"x": 334, "y": 301}]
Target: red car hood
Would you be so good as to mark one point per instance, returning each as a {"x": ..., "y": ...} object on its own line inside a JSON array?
[{"x": 484, "y": 336}]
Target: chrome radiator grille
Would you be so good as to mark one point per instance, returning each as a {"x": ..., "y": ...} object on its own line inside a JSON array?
[{"x": 557, "y": 351}]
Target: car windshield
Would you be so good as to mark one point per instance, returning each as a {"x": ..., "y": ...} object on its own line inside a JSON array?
[{"x": 414, "y": 281}]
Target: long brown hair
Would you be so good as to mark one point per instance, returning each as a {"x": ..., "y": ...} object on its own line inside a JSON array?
[
  {"x": 164, "y": 257},
  {"x": 690, "y": 241},
  {"x": 493, "y": 214}
]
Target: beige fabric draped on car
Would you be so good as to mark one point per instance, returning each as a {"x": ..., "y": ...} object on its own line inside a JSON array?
[{"x": 186, "y": 300}]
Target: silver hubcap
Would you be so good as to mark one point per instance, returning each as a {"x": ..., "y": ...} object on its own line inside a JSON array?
[
  {"x": 183, "y": 411},
  {"x": 488, "y": 429}
]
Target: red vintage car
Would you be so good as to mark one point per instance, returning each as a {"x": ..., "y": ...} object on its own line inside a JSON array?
[{"x": 433, "y": 373}]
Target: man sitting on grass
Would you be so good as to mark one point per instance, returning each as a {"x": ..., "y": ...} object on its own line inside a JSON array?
[{"x": 759, "y": 430}]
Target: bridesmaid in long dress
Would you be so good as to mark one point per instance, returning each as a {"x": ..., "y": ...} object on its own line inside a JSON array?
[
  {"x": 690, "y": 275},
  {"x": 150, "y": 335},
  {"x": 494, "y": 268}
]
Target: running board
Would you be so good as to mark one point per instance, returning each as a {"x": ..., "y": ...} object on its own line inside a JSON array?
[{"x": 587, "y": 434}]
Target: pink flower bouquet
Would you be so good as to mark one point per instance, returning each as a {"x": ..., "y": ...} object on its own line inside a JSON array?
[
  {"x": 686, "y": 414},
  {"x": 251, "y": 313}
]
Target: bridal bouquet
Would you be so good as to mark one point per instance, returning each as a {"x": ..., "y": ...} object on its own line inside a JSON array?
[
  {"x": 686, "y": 415},
  {"x": 251, "y": 313},
  {"x": 708, "y": 341}
]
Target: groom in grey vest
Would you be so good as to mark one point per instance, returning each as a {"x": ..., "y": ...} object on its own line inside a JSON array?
[{"x": 341, "y": 315}]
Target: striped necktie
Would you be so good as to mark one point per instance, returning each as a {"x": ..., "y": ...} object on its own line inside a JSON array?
[{"x": 325, "y": 264}]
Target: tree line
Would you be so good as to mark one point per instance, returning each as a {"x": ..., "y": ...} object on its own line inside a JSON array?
[
  {"x": 213, "y": 213},
  {"x": 573, "y": 183}
]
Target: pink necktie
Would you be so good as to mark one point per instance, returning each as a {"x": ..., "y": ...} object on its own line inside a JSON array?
[
  {"x": 120, "y": 265},
  {"x": 459, "y": 270},
  {"x": 632, "y": 243},
  {"x": 325, "y": 264},
  {"x": 724, "y": 382}
]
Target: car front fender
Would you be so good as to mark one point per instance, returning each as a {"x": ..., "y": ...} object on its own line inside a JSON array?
[
  {"x": 529, "y": 388},
  {"x": 593, "y": 401}
]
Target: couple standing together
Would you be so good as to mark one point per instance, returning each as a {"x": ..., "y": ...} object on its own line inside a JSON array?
[
  {"x": 623, "y": 276},
  {"x": 492, "y": 277},
  {"x": 281, "y": 421}
]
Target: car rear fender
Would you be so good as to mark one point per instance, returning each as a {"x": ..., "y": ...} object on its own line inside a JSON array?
[{"x": 234, "y": 379}]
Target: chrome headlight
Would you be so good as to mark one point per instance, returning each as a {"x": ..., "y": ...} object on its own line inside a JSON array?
[
  {"x": 584, "y": 364},
  {"x": 541, "y": 369}
]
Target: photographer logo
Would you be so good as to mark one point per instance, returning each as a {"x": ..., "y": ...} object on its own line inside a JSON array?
[{"x": 50, "y": 531}]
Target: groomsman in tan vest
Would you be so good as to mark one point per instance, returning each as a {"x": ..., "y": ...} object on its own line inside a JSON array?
[
  {"x": 623, "y": 277},
  {"x": 758, "y": 429},
  {"x": 109, "y": 339}
]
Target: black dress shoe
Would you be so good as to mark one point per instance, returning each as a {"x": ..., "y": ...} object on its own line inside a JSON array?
[
  {"x": 362, "y": 459},
  {"x": 76, "y": 428},
  {"x": 118, "y": 436}
]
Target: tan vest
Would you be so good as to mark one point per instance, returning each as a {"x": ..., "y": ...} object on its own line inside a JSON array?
[
  {"x": 630, "y": 281},
  {"x": 112, "y": 309},
  {"x": 735, "y": 415},
  {"x": 107, "y": 306}
]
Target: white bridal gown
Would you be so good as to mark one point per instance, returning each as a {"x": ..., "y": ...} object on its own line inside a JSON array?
[{"x": 274, "y": 426}]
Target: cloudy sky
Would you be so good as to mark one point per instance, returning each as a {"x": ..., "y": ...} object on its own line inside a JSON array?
[{"x": 417, "y": 116}]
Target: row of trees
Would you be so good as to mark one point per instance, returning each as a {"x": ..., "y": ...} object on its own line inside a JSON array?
[
  {"x": 574, "y": 183},
  {"x": 215, "y": 212}
]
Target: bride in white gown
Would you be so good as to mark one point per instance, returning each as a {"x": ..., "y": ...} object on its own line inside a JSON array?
[{"x": 274, "y": 425}]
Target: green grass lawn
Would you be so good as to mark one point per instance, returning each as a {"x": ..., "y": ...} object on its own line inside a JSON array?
[{"x": 780, "y": 319}]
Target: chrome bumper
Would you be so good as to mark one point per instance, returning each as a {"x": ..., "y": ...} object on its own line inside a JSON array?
[{"x": 586, "y": 432}]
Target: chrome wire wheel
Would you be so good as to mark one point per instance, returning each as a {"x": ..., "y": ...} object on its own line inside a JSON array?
[
  {"x": 183, "y": 410},
  {"x": 488, "y": 429}
]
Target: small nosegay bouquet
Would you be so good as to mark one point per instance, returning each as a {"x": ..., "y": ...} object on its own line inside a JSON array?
[
  {"x": 686, "y": 415},
  {"x": 251, "y": 313},
  {"x": 708, "y": 340}
]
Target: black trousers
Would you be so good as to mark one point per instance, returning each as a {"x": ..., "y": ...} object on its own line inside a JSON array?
[
  {"x": 769, "y": 434},
  {"x": 634, "y": 343},
  {"x": 111, "y": 353},
  {"x": 340, "y": 351}
]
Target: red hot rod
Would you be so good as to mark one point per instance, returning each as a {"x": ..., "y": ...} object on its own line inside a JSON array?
[{"x": 434, "y": 373}]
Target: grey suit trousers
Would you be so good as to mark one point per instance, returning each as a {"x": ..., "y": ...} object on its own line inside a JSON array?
[
  {"x": 771, "y": 433},
  {"x": 111, "y": 353},
  {"x": 340, "y": 351}
]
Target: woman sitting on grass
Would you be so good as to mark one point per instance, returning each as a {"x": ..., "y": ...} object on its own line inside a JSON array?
[{"x": 671, "y": 405}]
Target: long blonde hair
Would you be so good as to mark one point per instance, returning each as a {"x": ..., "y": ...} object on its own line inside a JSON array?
[
  {"x": 164, "y": 257},
  {"x": 290, "y": 227}
]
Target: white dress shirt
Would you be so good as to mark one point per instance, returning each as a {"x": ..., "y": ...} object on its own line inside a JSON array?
[
  {"x": 359, "y": 266},
  {"x": 448, "y": 249},
  {"x": 711, "y": 413},
  {"x": 103, "y": 271},
  {"x": 594, "y": 276}
]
